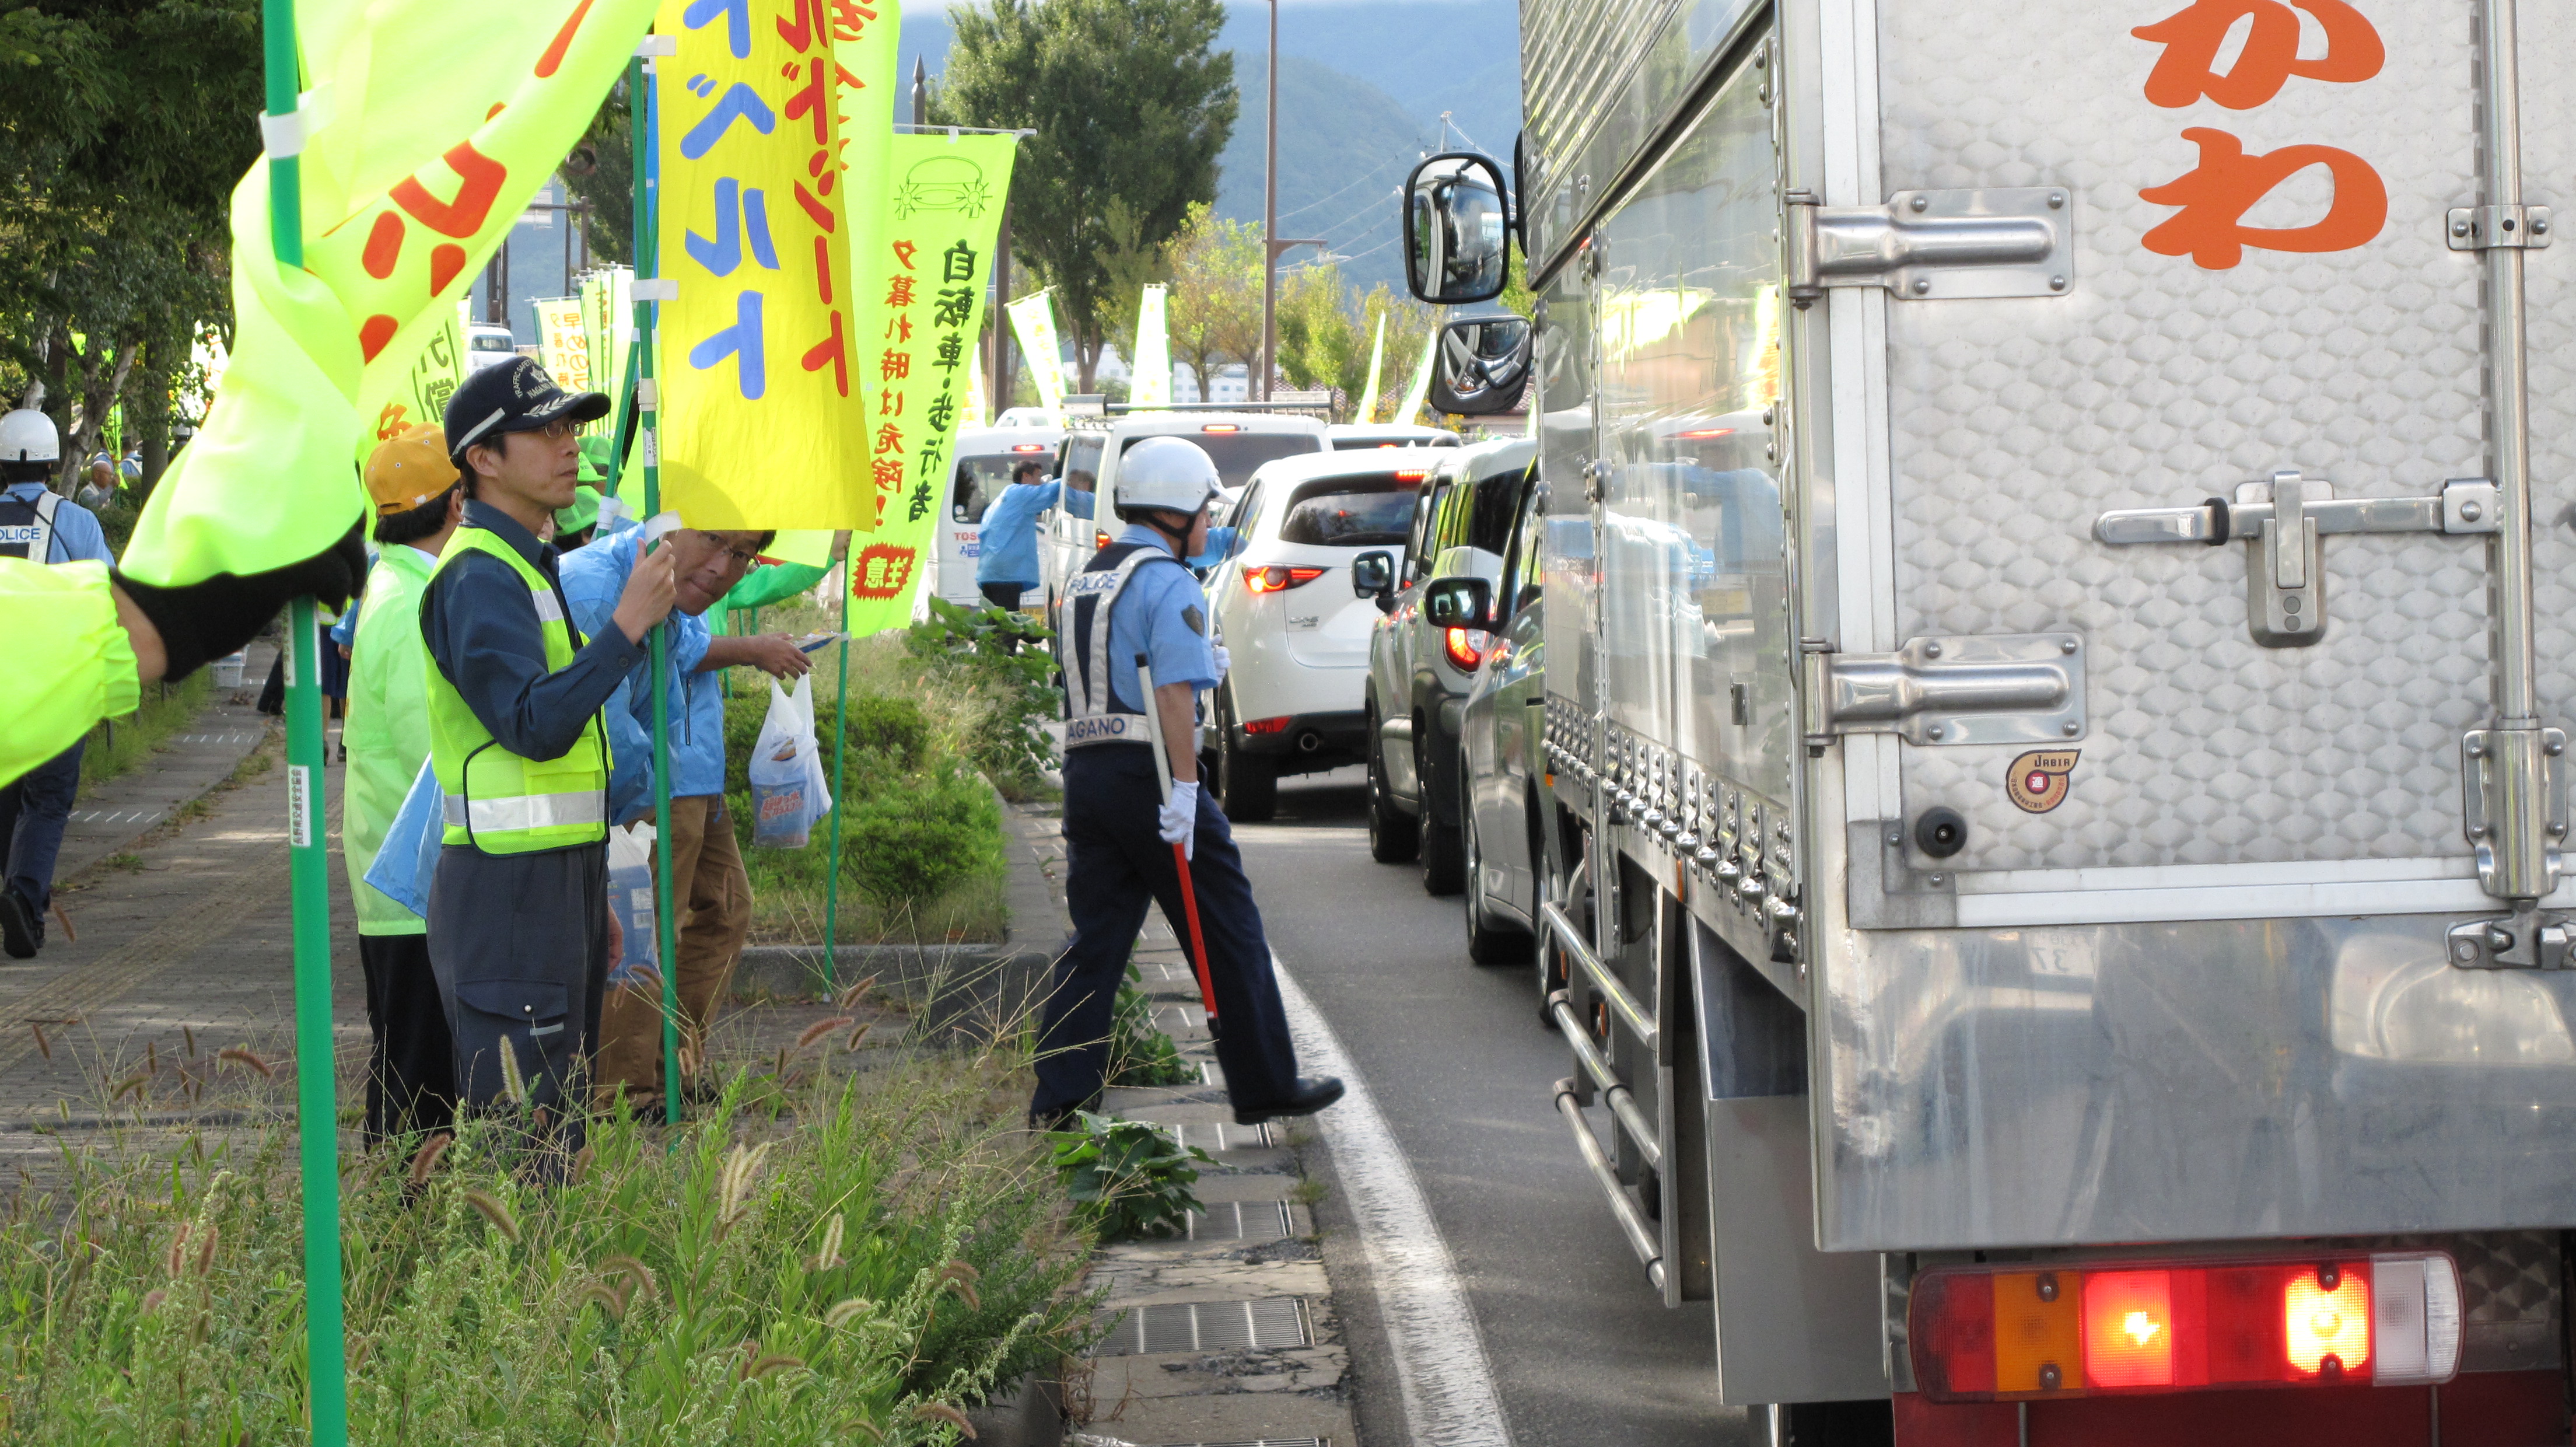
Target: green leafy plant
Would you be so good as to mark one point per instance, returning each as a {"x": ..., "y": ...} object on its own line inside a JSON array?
[
  {"x": 920, "y": 843},
  {"x": 1126, "y": 1177},
  {"x": 998, "y": 656},
  {"x": 1139, "y": 1052}
]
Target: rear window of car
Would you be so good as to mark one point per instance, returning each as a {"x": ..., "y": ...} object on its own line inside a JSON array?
[
  {"x": 1238, "y": 454},
  {"x": 1351, "y": 512}
]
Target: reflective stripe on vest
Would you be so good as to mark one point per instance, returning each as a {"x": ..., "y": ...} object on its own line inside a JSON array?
[
  {"x": 27, "y": 528},
  {"x": 497, "y": 801},
  {"x": 1092, "y": 712}
]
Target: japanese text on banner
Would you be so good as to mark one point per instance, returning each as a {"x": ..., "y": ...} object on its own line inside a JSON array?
[
  {"x": 567, "y": 350},
  {"x": 761, "y": 424},
  {"x": 941, "y": 209}
]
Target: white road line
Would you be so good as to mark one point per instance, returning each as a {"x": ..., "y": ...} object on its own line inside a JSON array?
[{"x": 1440, "y": 1365}]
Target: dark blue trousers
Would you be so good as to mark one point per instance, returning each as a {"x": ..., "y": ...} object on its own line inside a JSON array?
[
  {"x": 1118, "y": 864},
  {"x": 33, "y": 809}
]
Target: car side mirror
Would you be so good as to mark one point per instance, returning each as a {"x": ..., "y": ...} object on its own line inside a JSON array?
[
  {"x": 1371, "y": 574},
  {"x": 1457, "y": 602},
  {"x": 1482, "y": 365},
  {"x": 1457, "y": 229}
]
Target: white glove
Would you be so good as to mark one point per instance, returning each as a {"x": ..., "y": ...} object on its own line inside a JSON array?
[
  {"x": 1224, "y": 661},
  {"x": 1180, "y": 818}
]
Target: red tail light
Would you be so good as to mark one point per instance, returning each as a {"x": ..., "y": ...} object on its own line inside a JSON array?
[
  {"x": 1279, "y": 580},
  {"x": 1220, "y": 427},
  {"x": 1030, "y": 447},
  {"x": 1987, "y": 1333},
  {"x": 1466, "y": 646},
  {"x": 1269, "y": 725},
  {"x": 1099, "y": 539}
]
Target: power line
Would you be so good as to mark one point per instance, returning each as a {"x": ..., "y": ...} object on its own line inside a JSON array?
[{"x": 1365, "y": 176}]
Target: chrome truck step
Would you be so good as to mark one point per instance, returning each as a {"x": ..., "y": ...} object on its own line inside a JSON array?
[
  {"x": 1614, "y": 1091},
  {"x": 1642, "y": 1237}
]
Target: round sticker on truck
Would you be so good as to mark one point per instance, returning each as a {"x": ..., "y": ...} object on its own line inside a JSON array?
[{"x": 2038, "y": 780}]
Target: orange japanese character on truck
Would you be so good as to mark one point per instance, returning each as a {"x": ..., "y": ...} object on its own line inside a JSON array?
[{"x": 2193, "y": 38}]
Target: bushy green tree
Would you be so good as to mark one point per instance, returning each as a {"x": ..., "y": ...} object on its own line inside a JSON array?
[{"x": 1131, "y": 103}]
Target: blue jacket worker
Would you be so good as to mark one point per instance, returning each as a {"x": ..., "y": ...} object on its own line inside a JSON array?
[
  {"x": 519, "y": 928},
  {"x": 1006, "y": 551},
  {"x": 710, "y": 891},
  {"x": 41, "y": 526},
  {"x": 1136, "y": 597}
]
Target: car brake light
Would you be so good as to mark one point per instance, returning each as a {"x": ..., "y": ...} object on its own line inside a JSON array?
[
  {"x": 1269, "y": 725},
  {"x": 1275, "y": 579},
  {"x": 1466, "y": 646},
  {"x": 1411, "y": 476},
  {"x": 1029, "y": 447},
  {"x": 1704, "y": 433},
  {"x": 1099, "y": 539},
  {"x": 1221, "y": 427},
  {"x": 1985, "y": 1333}
]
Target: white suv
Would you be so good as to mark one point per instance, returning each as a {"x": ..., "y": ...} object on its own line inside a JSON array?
[
  {"x": 1316, "y": 538},
  {"x": 1237, "y": 442}
]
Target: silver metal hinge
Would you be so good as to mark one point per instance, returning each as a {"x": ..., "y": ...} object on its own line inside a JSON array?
[
  {"x": 2006, "y": 689},
  {"x": 2480, "y": 228},
  {"x": 2514, "y": 803},
  {"x": 1936, "y": 245},
  {"x": 2523, "y": 940},
  {"x": 2282, "y": 520}
]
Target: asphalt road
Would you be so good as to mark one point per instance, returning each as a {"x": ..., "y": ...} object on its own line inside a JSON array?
[{"x": 1583, "y": 1351}]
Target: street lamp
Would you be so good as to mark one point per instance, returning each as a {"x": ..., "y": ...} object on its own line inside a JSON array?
[{"x": 1271, "y": 243}]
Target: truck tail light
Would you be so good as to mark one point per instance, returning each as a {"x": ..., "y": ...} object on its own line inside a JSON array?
[
  {"x": 1994, "y": 1333},
  {"x": 1466, "y": 646},
  {"x": 1270, "y": 725},
  {"x": 1276, "y": 579}
]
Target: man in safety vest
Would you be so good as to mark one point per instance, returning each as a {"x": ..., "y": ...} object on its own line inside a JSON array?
[
  {"x": 39, "y": 525},
  {"x": 1137, "y": 597},
  {"x": 411, "y": 1073},
  {"x": 519, "y": 928}
]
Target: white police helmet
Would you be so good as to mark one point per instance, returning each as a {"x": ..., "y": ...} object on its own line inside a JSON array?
[
  {"x": 1166, "y": 472},
  {"x": 28, "y": 435}
]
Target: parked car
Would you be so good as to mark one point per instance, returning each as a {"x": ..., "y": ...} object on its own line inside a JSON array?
[
  {"x": 985, "y": 457},
  {"x": 1237, "y": 442},
  {"x": 1318, "y": 538},
  {"x": 1418, "y": 673},
  {"x": 488, "y": 345},
  {"x": 1502, "y": 777},
  {"x": 1353, "y": 436}
]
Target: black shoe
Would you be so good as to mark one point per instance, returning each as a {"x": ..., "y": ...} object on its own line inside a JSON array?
[
  {"x": 1312, "y": 1094},
  {"x": 22, "y": 928},
  {"x": 1063, "y": 1118}
]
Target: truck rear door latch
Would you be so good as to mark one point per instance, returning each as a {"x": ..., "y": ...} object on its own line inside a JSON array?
[
  {"x": 1997, "y": 689},
  {"x": 1984, "y": 242},
  {"x": 2282, "y": 521}
]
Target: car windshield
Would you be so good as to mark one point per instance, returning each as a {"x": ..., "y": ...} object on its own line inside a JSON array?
[
  {"x": 979, "y": 481},
  {"x": 1351, "y": 512},
  {"x": 1237, "y": 454}
]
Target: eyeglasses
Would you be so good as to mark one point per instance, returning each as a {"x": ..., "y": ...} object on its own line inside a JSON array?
[
  {"x": 734, "y": 558},
  {"x": 556, "y": 430}
]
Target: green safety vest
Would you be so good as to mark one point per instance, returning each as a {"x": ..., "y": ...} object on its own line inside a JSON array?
[
  {"x": 387, "y": 735},
  {"x": 497, "y": 801}
]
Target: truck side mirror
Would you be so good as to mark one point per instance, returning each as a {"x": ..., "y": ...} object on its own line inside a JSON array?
[
  {"x": 1482, "y": 365},
  {"x": 1457, "y": 601},
  {"x": 1457, "y": 229}
]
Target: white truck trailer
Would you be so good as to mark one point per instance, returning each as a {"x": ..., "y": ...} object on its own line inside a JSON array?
[{"x": 2060, "y": 616}]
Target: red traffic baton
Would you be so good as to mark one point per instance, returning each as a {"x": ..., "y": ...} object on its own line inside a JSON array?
[{"x": 1180, "y": 854}]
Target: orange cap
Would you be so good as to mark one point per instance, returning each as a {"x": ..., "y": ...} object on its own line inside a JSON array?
[{"x": 409, "y": 469}]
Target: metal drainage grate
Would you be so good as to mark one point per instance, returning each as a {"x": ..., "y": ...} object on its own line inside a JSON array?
[
  {"x": 1209, "y": 1326},
  {"x": 1219, "y": 1136},
  {"x": 1242, "y": 1221}
]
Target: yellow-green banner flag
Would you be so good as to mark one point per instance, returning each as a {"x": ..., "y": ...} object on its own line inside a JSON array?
[
  {"x": 941, "y": 210},
  {"x": 1367, "y": 411},
  {"x": 1419, "y": 391},
  {"x": 760, "y": 355},
  {"x": 864, "y": 33},
  {"x": 414, "y": 165},
  {"x": 1033, "y": 318},
  {"x": 1149, "y": 381},
  {"x": 566, "y": 350}
]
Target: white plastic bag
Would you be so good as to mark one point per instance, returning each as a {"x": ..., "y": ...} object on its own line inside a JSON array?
[
  {"x": 784, "y": 783},
  {"x": 630, "y": 894}
]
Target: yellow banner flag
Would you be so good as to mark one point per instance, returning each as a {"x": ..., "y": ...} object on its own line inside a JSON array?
[
  {"x": 1149, "y": 382},
  {"x": 761, "y": 422},
  {"x": 567, "y": 350},
  {"x": 411, "y": 174},
  {"x": 1033, "y": 318},
  {"x": 943, "y": 206}
]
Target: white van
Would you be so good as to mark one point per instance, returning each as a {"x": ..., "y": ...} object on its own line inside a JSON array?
[
  {"x": 1237, "y": 442},
  {"x": 985, "y": 457}
]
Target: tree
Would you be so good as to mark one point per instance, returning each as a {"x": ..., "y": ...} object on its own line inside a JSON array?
[
  {"x": 600, "y": 173},
  {"x": 1325, "y": 334},
  {"x": 128, "y": 123},
  {"x": 1131, "y": 105},
  {"x": 1214, "y": 310}
]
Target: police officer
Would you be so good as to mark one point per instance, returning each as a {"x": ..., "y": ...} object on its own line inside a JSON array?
[
  {"x": 41, "y": 526},
  {"x": 519, "y": 928},
  {"x": 1137, "y": 597}
]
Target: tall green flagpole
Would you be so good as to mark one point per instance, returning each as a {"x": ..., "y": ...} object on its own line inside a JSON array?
[
  {"x": 317, "y": 1113},
  {"x": 840, "y": 733},
  {"x": 647, "y": 404}
]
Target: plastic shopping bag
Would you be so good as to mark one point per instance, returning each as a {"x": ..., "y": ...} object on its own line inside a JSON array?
[
  {"x": 408, "y": 859},
  {"x": 784, "y": 784},
  {"x": 630, "y": 894}
]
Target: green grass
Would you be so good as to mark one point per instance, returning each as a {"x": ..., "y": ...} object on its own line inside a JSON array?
[{"x": 117, "y": 746}]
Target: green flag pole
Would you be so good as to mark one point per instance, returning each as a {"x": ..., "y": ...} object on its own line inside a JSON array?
[
  {"x": 647, "y": 400},
  {"x": 840, "y": 732},
  {"x": 317, "y": 1106}
]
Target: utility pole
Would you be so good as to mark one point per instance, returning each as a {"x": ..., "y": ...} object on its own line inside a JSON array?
[
  {"x": 920, "y": 92},
  {"x": 1002, "y": 377},
  {"x": 1271, "y": 245}
]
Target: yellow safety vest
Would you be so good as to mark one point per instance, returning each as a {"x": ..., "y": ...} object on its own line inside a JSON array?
[{"x": 498, "y": 801}]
